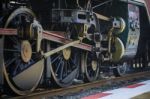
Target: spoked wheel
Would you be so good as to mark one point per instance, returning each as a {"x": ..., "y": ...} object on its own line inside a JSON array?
[
  {"x": 64, "y": 66},
  {"x": 121, "y": 70},
  {"x": 23, "y": 66},
  {"x": 91, "y": 66}
]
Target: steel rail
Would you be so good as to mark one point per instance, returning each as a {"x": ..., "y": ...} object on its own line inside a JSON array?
[{"x": 77, "y": 88}]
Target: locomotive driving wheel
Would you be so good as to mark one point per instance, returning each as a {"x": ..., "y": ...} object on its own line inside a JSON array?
[
  {"x": 91, "y": 66},
  {"x": 64, "y": 66},
  {"x": 23, "y": 66}
]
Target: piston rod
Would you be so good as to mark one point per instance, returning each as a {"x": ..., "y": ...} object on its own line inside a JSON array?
[{"x": 101, "y": 17}]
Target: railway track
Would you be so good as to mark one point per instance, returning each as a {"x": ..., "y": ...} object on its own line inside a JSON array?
[{"x": 40, "y": 94}]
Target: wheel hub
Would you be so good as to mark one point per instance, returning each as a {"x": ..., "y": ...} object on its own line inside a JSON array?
[
  {"x": 26, "y": 51},
  {"x": 94, "y": 65},
  {"x": 66, "y": 53}
]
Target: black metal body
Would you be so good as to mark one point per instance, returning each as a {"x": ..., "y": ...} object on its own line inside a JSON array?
[{"x": 59, "y": 15}]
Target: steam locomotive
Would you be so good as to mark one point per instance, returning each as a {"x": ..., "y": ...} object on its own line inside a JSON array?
[{"x": 52, "y": 42}]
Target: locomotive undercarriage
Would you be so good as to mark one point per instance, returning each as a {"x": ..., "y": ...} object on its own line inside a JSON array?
[{"x": 65, "y": 42}]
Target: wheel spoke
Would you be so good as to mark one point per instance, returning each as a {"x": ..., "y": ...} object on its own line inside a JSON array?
[
  {"x": 10, "y": 61},
  {"x": 74, "y": 64},
  {"x": 15, "y": 70},
  {"x": 14, "y": 40},
  {"x": 53, "y": 60},
  {"x": 61, "y": 72},
  {"x": 58, "y": 66},
  {"x": 36, "y": 57},
  {"x": 20, "y": 20},
  {"x": 69, "y": 67},
  {"x": 11, "y": 50}
]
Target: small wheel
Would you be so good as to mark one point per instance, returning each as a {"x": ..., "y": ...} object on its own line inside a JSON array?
[
  {"x": 64, "y": 66},
  {"x": 23, "y": 66},
  {"x": 121, "y": 69},
  {"x": 91, "y": 66}
]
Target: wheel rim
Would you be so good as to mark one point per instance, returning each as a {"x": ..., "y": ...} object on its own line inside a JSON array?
[
  {"x": 91, "y": 66},
  {"x": 19, "y": 62},
  {"x": 64, "y": 69}
]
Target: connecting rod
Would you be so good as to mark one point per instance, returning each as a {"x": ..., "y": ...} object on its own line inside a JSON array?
[{"x": 47, "y": 54}]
